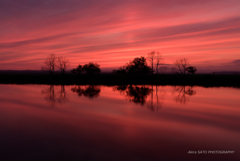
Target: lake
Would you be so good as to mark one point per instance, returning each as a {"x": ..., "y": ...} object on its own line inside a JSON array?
[{"x": 143, "y": 122}]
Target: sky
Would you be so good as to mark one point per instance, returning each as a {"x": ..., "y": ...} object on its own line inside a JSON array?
[{"x": 114, "y": 32}]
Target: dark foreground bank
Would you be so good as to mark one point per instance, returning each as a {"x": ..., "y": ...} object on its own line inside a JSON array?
[{"x": 206, "y": 80}]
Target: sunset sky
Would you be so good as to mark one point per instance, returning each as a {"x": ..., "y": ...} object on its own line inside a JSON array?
[{"x": 113, "y": 32}]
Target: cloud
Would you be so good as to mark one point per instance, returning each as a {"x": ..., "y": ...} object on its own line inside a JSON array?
[
  {"x": 118, "y": 30},
  {"x": 34, "y": 41},
  {"x": 236, "y": 62}
]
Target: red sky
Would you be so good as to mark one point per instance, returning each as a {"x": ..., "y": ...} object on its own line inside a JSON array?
[{"x": 113, "y": 32}]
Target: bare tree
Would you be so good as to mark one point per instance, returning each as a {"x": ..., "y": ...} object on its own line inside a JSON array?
[
  {"x": 50, "y": 63},
  {"x": 151, "y": 56},
  {"x": 159, "y": 61},
  {"x": 62, "y": 64},
  {"x": 181, "y": 66}
]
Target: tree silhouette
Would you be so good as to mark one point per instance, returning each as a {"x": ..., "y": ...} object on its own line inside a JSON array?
[
  {"x": 180, "y": 66},
  {"x": 50, "y": 63},
  {"x": 155, "y": 59},
  {"x": 62, "y": 64},
  {"x": 78, "y": 70},
  {"x": 138, "y": 66},
  {"x": 91, "y": 68},
  {"x": 151, "y": 56},
  {"x": 191, "y": 70},
  {"x": 159, "y": 61}
]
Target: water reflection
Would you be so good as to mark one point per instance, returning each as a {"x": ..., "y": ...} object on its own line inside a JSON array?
[
  {"x": 150, "y": 96},
  {"x": 156, "y": 104},
  {"x": 139, "y": 95},
  {"x": 111, "y": 128},
  {"x": 55, "y": 95},
  {"x": 183, "y": 93},
  {"x": 91, "y": 91}
]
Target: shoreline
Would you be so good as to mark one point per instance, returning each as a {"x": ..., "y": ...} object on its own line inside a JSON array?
[{"x": 206, "y": 80}]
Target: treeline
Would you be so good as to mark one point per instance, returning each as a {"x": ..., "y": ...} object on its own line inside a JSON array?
[{"x": 136, "y": 66}]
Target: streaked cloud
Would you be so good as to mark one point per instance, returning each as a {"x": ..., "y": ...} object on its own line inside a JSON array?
[{"x": 113, "y": 32}]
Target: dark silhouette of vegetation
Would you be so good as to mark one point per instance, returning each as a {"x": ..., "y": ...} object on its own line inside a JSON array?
[
  {"x": 206, "y": 80},
  {"x": 151, "y": 56},
  {"x": 155, "y": 59},
  {"x": 91, "y": 68},
  {"x": 121, "y": 70},
  {"x": 133, "y": 72},
  {"x": 54, "y": 96},
  {"x": 50, "y": 63},
  {"x": 77, "y": 70},
  {"x": 138, "y": 66},
  {"x": 91, "y": 91},
  {"x": 191, "y": 70},
  {"x": 182, "y": 65},
  {"x": 62, "y": 64},
  {"x": 183, "y": 93},
  {"x": 159, "y": 62}
]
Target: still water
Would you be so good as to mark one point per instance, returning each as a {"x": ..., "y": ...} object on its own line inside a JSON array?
[{"x": 54, "y": 122}]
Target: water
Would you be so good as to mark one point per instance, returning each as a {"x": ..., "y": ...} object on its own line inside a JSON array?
[{"x": 49, "y": 122}]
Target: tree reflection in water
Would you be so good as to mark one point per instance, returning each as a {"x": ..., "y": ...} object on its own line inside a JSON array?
[
  {"x": 53, "y": 95},
  {"x": 92, "y": 91},
  {"x": 183, "y": 93},
  {"x": 159, "y": 98},
  {"x": 139, "y": 94}
]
